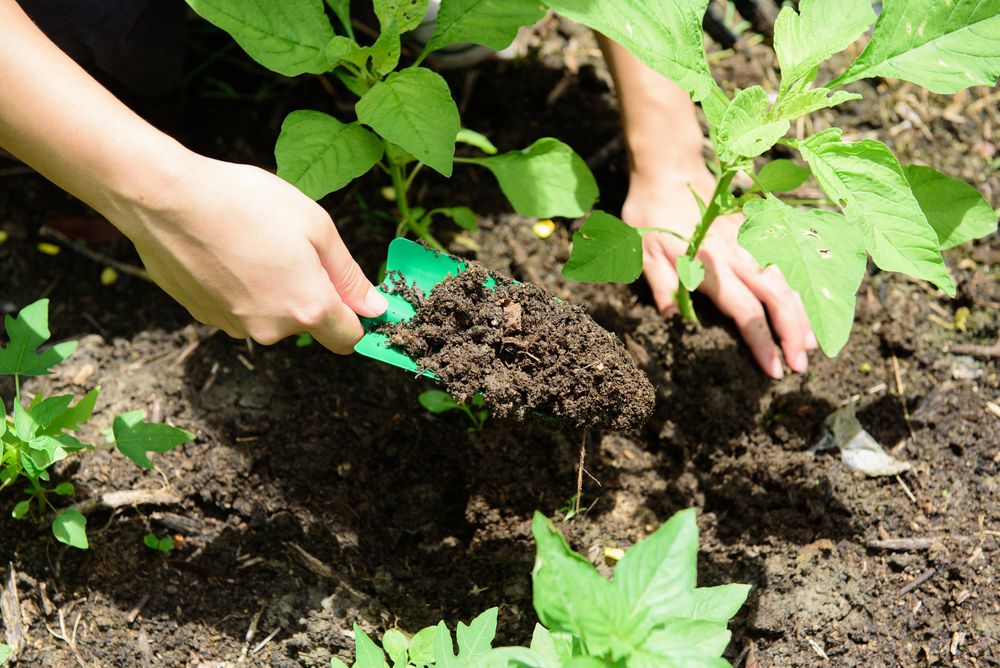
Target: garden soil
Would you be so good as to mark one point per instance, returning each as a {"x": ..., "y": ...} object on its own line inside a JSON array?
[{"x": 319, "y": 494}]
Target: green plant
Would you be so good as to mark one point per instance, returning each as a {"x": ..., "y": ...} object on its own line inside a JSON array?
[
  {"x": 5, "y": 654},
  {"x": 902, "y": 216},
  {"x": 162, "y": 545},
  {"x": 37, "y": 435},
  {"x": 651, "y": 615},
  {"x": 438, "y": 401},
  {"x": 406, "y": 117}
]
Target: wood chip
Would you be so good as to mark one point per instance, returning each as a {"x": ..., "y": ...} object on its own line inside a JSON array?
[
  {"x": 902, "y": 544},
  {"x": 10, "y": 609}
]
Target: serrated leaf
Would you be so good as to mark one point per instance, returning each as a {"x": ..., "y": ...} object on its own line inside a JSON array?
[
  {"x": 544, "y": 180},
  {"x": 438, "y": 401},
  {"x": 665, "y": 34},
  {"x": 806, "y": 38},
  {"x": 480, "y": 141},
  {"x": 476, "y": 639},
  {"x": 318, "y": 154},
  {"x": 866, "y": 180},
  {"x": 691, "y": 272},
  {"x": 781, "y": 176},
  {"x": 70, "y": 527},
  {"x": 746, "y": 128},
  {"x": 26, "y": 332},
  {"x": 288, "y": 37},
  {"x": 820, "y": 254},
  {"x": 368, "y": 653},
  {"x": 942, "y": 45},
  {"x": 413, "y": 109},
  {"x": 568, "y": 593},
  {"x": 406, "y": 14},
  {"x": 795, "y": 104},
  {"x": 605, "y": 249},
  {"x": 492, "y": 23},
  {"x": 135, "y": 438},
  {"x": 956, "y": 210}
]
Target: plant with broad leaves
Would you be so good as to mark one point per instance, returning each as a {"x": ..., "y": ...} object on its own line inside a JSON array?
[
  {"x": 406, "y": 118},
  {"x": 902, "y": 216},
  {"x": 37, "y": 434},
  {"x": 650, "y": 615},
  {"x": 438, "y": 401}
]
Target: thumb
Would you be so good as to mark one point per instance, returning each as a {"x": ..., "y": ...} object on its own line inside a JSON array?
[{"x": 345, "y": 274}]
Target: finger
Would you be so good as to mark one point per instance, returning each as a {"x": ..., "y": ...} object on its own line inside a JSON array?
[
  {"x": 785, "y": 308},
  {"x": 661, "y": 276},
  {"x": 356, "y": 291},
  {"x": 736, "y": 300},
  {"x": 338, "y": 329}
]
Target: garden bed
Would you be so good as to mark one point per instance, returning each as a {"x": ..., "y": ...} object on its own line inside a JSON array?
[{"x": 318, "y": 493}]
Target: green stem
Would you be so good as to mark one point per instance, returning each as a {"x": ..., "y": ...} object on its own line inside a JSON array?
[{"x": 399, "y": 186}]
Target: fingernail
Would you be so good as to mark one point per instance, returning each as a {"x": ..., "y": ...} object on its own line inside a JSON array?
[
  {"x": 801, "y": 362},
  {"x": 811, "y": 342},
  {"x": 776, "y": 371},
  {"x": 375, "y": 301}
]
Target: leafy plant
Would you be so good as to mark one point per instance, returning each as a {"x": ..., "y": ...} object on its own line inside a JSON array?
[
  {"x": 438, "y": 401},
  {"x": 5, "y": 654},
  {"x": 37, "y": 435},
  {"x": 651, "y": 615},
  {"x": 162, "y": 545},
  {"x": 902, "y": 216},
  {"x": 406, "y": 118}
]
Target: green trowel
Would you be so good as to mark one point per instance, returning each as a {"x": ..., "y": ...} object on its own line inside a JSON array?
[{"x": 416, "y": 266}]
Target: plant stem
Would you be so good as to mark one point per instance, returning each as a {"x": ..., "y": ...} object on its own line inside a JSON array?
[
  {"x": 711, "y": 213},
  {"x": 399, "y": 186}
]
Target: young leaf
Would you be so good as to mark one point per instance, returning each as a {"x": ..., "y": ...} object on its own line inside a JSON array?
[
  {"x": 820, "y": 254},
  {"x": 386, "y": 50},
  {"x": 805, "y": 39},
  {"x": 71, "y": 418},
  {"x": 867, "y": 181},
  {"x": 462, "y": 216},
  {"x": 407, "y": 14},
  {"x": 781, "y": 176},
  {"x": 480, "y": 141},
  {"x": 605, "y": 249},
  {"x": 319, "y": 155},
  {"x": 644, "y": 28},
  {"x": 718, "y": 604},
  {"x": 688, "y": 638},
  {"x": 25, "y": 425},
  {"x": 368, "y": 653},
  {"x": 395, "y": 645},
  {"x": 64, "y": 489},
  {"x": 796, "y": 103},
  {"x": 135, "y": 438},
  {"x": 70, "y": 527},
  {"x": 444, "y": 649},
  {"x": 942, "y": 45},
  {"x": 288, "y": 37},
  {"x": 956, "y": 210},
  {"x": 690, "y": 272},
  {"x": 492, "y": 23},
  {"x": 44, "y": 410},
  {"x": 413, "y": 108},
  {"x": 544, "y": 180},
  {"x": 548, "y": 653},
  {"x": 422, "y": 646},
  {"x": 477, "y": 638},
  {"x": 745, "y": 129},
  {"x": 438, "y": 401},
  {"x": 342, "y": 10},
  {"x": 568, "y": 593},
  {"x": 30, "y": 329},
  {"x": 21, "y": 508}
]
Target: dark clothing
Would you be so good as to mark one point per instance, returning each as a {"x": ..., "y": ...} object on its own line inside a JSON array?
[{"x": 138, "y": 43}]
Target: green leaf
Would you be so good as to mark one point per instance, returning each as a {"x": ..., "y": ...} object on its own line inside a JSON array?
[
  {"x": 942, "y": 45},
  {"x": 477, "y": 638},
  {"x": 956, "y": 210},
  {"x": 386, "y": 50},
  {"x": 26, "y": 332},
  {"x": 463, "y": 217},
  {"x": 438, "y": 401},
  {"x": 688, "y": 638},
  {"x": 605, "y": 249},
  {"x": 70, "y": 527},
  {"x": 342, "y": 10},
  {"x": 422, "y": 646},
  {"x": 548, "y": 653},
  {"x": 25, "y": 425},
  {"x": 44, "y": 410},
  {"x": 5, "y": 653},
  {"x": 718, "y": 604},
  {"x": 544, "y": 180},
  {"x": 568, "y": 593},
  {"x": 665, "y": 34},
  {"x": 64, "y": 489},
  {"x": 473, "y": 138},
  {"x": 492, "y": 23},
  {"x": 805, "y": 39},
  {"x": 867, "y": 181},
  {"x": 21, "y": 508},
  {"x": 745, "y": 129},
  {"x": 319, "y": 155},
  {"x": 395, "y": 645},
  {"x": 368, "y": 653},
  {"x": 690, "y": 272},
  {"x": 135, "y": 438},
  {"x": 71, "y": 418},
  {"x": 820, "y": 254},
  {"x": 781, "y": 176},
  {"x": 288, "y": 37},
  {"x": 794, "y": 103},
  {"x": 407, "y": 14},
  {"x": 444, "y": 649},
  {"x": 151, "y": 541},
  {"x": 337, "y": 663},
  {"x": 413, "y": 109}
]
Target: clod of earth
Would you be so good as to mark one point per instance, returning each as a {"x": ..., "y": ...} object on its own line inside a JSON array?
[{"x": 525, "y": 351}]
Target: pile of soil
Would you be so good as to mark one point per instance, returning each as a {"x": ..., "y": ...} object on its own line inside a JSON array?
[{"x": 525, "y": 351}]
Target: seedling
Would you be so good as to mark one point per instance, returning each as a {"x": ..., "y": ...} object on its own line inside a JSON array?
[
  {"x": 650, "y": 614},
  {"x": 439, "y": 401},
  {"x": 406, "y": 116},
  {"x": 903, "y": 216},
  {"x": 161, "y": 545},
  {"x": 37, "y": 435},
  {"x": 5, "y": 654}
]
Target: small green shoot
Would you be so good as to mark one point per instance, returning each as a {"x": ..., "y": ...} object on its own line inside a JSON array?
[
  {"x": 439, "y": 401},
  {"x": 161, "y": 545}
]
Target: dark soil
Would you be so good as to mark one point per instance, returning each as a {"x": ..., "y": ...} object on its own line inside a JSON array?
[
  {"x": 526, "y": 352},
  {"x": 318, "y": 494}
]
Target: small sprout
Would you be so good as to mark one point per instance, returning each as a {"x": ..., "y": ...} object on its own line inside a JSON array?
[
  {"x": 64, "y": 489},
  {"x": 438, "y": 401},
  {"x": 48, "y": 249},
  {"x": 865, "y": 367},
  {"x": 161, "y": 545},
  {"x": 962, "y": 318},
  {"x": 109, "y": 276},
  {"x": 544, "y": 229}
]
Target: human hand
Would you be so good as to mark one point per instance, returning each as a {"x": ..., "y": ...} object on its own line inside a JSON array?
[
  {"x": 733, "y": 279},
  {"x": 248, "y": 253}
]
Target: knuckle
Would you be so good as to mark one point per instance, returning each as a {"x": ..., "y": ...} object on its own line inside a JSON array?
[{"x": 309, "y": 314}]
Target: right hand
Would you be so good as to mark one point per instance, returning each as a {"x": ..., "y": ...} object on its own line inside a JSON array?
[{"x": 245, "y": 251}]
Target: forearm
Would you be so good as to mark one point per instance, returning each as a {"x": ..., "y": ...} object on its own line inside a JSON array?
[
  {"x": 59, "y": 120},
  {"x": 660, "y": 121}
]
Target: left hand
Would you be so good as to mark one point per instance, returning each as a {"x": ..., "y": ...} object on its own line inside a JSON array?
[{"x": 733, "y": 279}]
